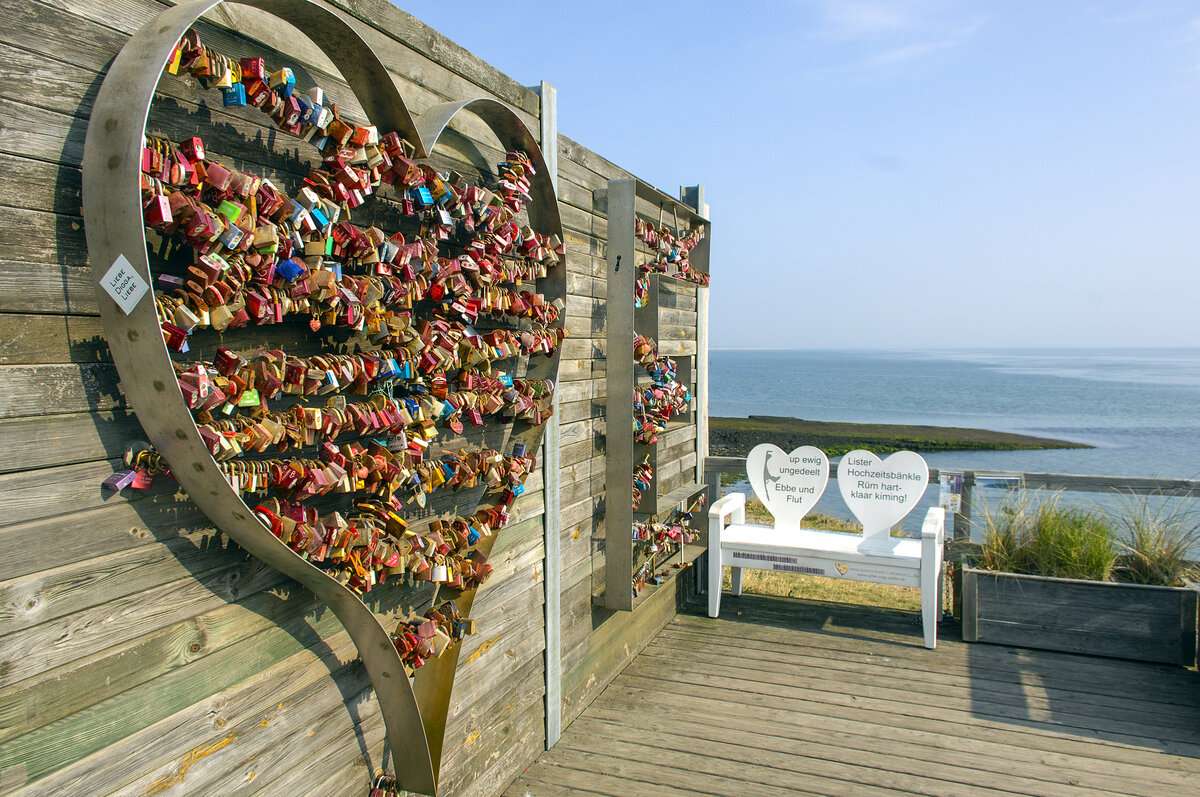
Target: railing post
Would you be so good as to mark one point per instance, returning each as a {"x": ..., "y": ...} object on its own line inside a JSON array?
[
  {"x": 712, "y": 478},
  {"x": 962, "y": 533},
  {"x": 962, "y": 518}
]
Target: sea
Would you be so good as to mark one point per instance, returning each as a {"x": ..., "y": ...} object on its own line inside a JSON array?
[{"x": 1138, "y": 408}]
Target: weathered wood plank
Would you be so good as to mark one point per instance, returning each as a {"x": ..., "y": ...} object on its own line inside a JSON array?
[
  {"x": 779, "y": 765},
  {"x": 1144, "y": 681},
  {"x": 570, "y": 150},
  {"x": 812, "y": 758},
  {"x": 1043, "y": 696},
  {"x": 37, "y": 185},
  {"x": 61, "y": 691},
  {"x": 57, "y": 592},
  {"x": 53, "y": 440},
  {"x": 579, "y": 391},
  {"x": 68, "y": 489},
  {"x": 614, "y": 641},
  {"x": 62, "y": 742},
  {"x": 28, "y": 339},
  {"x": 443, "y": 52},
  {"x": 310, "y": 723},
  {"x": 1031, "y": 733},
  {"x": 27, "y": 286},
  {"x": 576, "y": 489},
  {"x": 117, "y": 527},
  {"x": 675, "y": 333},
  {"x": 933, "y": 707},
  {"x": 667, "y": 775},
  {"x": 503, "y": 744},
  {"x": 27, "y": 390},
  {"x": 683, "y": 320},
  {"x": 580, "y": 410},
  {"x": 94, "y": 629},
  {"x": 423, "y": 86},
  {"x": 1078, "y": 733},
  {"x": 217, "y": 728},
  {"x": 981, "y": 759},
  {"x": 677, "y": 348},
  {"x": 985, "y": 677}
]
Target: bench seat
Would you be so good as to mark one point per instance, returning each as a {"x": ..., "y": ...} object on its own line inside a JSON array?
[{"x": 830, "y": 554}]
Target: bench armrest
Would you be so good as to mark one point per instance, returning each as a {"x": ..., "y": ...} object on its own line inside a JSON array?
[
  {"x": 935, "y": 524},
  {"x": 732, "y": 507}
]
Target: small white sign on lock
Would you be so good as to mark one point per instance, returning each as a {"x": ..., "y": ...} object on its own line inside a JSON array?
[{"x": 124, "y": 285}]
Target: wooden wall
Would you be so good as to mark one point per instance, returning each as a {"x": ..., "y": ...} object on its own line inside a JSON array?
[
  {"x": 597, "y": 643},
  {"x": 140, "y": 651}
]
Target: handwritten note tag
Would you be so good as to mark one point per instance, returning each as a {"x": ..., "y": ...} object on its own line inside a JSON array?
[
  {"x": 124, "y": 285},
  {"x": 789, "y": 485},
  {"x": 881, "y": 492}
]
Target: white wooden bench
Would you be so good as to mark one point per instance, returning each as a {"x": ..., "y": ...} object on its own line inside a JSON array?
[{"x": 893, "y": 560}]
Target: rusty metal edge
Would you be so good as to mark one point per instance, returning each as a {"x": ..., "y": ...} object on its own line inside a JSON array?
[{"x": 434, "y": 682}]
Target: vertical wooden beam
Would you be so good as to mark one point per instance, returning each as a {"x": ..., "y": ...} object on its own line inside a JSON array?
[
  {"x": 970, "y": 605},
  {"x": 552, "y": 476},
  {"x": 645, "y": 322},
  {"x": 962, "y": 518},
  {"x": 694, "y": 196},
  {"x": 1188, "y": 626},
  {"x": 618, "y": 456}
]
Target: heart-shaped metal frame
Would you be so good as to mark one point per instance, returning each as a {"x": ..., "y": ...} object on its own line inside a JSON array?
[{"x": 414, "y": 712}]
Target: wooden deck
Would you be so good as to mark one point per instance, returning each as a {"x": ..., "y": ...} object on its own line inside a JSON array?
[{"x": 784, "y": 697}]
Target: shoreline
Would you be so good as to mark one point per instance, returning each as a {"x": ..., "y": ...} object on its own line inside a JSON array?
[{"x": 734, "y": 437}]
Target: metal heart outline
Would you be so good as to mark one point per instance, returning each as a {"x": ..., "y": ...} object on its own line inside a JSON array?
[{"x": 414, "y": 713}]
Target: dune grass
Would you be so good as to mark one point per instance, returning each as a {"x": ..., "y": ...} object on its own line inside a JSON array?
[
  {"x": 1145, "y": 541},
  {"x": 1156, "y": 541}
]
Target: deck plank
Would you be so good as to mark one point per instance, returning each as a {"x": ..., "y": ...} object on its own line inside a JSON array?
[{"x": 790, "y": 696}]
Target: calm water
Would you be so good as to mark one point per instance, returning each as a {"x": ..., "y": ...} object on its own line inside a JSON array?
[{"x": 1140, "y": 408}]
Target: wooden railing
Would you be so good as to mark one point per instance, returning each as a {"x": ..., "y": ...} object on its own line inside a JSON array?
[{"x": 1070, "y": 482}]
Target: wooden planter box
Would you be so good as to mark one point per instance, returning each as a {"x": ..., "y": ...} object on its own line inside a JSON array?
[{"x": 1127, "y": 621}]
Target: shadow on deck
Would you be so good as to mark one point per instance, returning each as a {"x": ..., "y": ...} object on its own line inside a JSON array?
[{"x": 781, "y": 697}]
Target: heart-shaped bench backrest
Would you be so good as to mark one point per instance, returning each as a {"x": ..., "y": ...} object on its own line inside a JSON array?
[
  {"x": 881, "y": 492},
  {"x": 789, "y": 485},
  {"x": 112, "y": 210}
]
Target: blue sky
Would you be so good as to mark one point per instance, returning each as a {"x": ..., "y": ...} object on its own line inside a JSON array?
[{"x": 920, "y": 173}]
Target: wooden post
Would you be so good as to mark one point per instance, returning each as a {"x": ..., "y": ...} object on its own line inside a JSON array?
[
  {"x": 962, "y": 533},
  {"x": 552, "y": 476},
  {"x": 970, "y": 611},
  {"x": 962, "y": 518},
  {"x": 694, "y": 196},
  {"x": 618, "y": 474}
]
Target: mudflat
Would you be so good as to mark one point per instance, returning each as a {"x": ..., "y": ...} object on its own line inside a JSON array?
[{"x": 734, "y": 437}]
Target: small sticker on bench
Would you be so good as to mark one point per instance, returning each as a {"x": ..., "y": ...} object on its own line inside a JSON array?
[
  {"x": 764, "y": 557},
  {"x": 801, "y": 569}
]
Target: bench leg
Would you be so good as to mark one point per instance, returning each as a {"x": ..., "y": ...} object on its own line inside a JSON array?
[
  {"x": 735, "y": 579},
  {"x": 714, "y": 581},
  {"x": 929, "y": 605}
]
